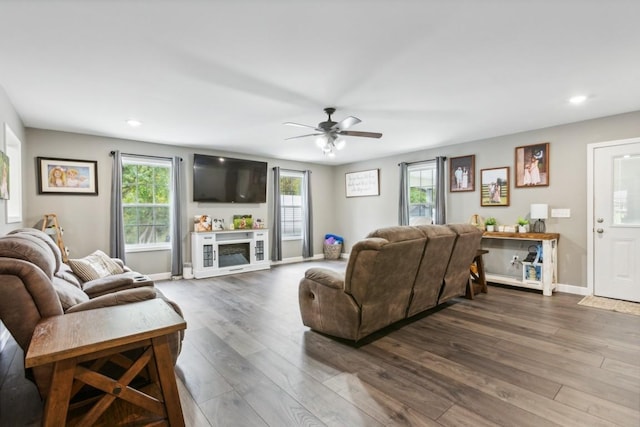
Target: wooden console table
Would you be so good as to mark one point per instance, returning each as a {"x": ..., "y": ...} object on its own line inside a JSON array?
[
  {"x": 98, "y": 335},
  {"x": 549, "y": 266}
]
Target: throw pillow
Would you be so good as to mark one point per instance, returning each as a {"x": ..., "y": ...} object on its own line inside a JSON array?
[
  {"x": 112, "y": 265},
  {"x": 94, "y": 266}
]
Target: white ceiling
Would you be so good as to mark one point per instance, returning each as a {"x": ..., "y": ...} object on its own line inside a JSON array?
[{"x": 227, "y": 74}]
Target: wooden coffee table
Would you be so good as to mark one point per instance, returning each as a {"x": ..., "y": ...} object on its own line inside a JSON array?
[{"x": 101, "y": 334}]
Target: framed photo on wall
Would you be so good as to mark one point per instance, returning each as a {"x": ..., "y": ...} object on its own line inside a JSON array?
[
  {"x": 67, "y": 176},
  {"x": 494, "y": 187},
  {"x": 462, "y": 173},
  {"x": 532, "y": 165}
]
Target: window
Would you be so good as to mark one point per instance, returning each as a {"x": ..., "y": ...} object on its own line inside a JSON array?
[
  {"x": 422, "y": 192},
  {"x": 291, "y": 205},
  {"x": 14, "y": 152},
  {"x": 146, "y": 201}
]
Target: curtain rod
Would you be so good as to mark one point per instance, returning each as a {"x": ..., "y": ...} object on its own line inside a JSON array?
[
  {"x": 288, "y": 170},
  {"x": 422, "y": 161},
  {"x": 144, "y": 155}
]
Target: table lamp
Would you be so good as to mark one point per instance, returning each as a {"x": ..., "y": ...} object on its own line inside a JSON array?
[{"x": 539, "y": 212}]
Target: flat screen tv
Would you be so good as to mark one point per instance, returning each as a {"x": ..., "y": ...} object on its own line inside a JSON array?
[{"x": 228, "y": 180}]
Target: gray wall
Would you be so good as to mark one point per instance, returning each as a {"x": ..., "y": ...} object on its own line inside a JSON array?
[
  {"x": 85, "y": 218},
  {"x": 9, "y": 116},
  {"x": 567, "y": 189},
  {"x": 352, "y": 218}
]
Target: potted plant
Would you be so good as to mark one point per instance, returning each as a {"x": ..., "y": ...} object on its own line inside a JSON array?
[
  {"x": 522, "y": 225},
  {"x": 490, "y": 223}
]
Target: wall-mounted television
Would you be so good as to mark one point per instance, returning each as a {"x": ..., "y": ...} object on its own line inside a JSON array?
[{"x": 227, "y": 180}]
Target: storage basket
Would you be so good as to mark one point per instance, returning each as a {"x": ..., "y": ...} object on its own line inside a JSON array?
[{"x": 332, "y": 251}]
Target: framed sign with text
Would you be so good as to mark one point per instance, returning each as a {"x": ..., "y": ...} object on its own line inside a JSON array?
[{"x": 364, "y": 183}]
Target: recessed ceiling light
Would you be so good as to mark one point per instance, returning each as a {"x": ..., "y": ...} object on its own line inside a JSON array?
[
  {"x": 134, "y": 123},
  {"x": 578, "y": 99}
]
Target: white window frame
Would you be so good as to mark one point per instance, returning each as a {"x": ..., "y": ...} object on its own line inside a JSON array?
[
  {"x": 149, "y": 247},
  {"x": 13, "y": 148},
  {"x": 429, "y": 165},
  {"x": 294, "y": 174}
]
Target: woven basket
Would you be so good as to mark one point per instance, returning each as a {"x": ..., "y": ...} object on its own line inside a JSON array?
[{"x": 332, "y": 251}]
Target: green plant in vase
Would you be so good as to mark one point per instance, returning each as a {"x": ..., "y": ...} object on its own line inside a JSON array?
[
  {"x": 490, "y": 223},
  {"x": 522, "y": 225}
]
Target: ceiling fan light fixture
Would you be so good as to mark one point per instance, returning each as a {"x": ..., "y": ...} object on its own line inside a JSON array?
[{"x": 328, "y": 136}]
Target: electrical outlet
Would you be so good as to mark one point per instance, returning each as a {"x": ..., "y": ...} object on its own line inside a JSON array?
[{"x": 515, "y": 259}]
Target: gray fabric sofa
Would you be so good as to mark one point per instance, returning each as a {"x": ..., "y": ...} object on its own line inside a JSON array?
[
  {"x": 392, "y": 274},
  {"x": 35, "y": 284}
]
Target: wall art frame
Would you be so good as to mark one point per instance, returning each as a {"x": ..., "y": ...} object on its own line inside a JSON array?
[
  {"x": 67, "y": 176},
  {"x": 363, "y": 183},
  {"x": 494, "y": 186},
  {"x": 532, "y": 165},
  {"x": 5, "y": 172},
  {"x": 462, "y": 173}
]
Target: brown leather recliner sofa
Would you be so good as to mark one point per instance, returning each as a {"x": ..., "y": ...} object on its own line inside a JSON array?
[
  {"x": 35, "y": 284},
  {"x": 392, "y": 274}
]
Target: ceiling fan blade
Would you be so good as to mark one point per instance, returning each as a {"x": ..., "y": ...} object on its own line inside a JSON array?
[
  {"x": 346, "y": 123},
  {"x": 364, "y": 134},
  {"x": 299, "y": 125},
  {"x": 304, "y": 136}
]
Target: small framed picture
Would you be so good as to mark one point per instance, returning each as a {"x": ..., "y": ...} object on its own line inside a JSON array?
[
  {"x": 67, "y": 176},
  {"x": 532, "y": 165},
  {"x": 202, "y": 223},
  {"x": 494, "y": 186},
  {"x": 462, "y": 173}
]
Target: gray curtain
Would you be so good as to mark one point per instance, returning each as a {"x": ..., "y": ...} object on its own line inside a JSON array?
[
  {"x": 178, "y": 191},
  {"x": 441, "y": 179},
  {"x": 276, "y": 246},
  {"x": 307, "y": 227},
  {"x": 116, "y": 233},
  {"x": 403, "y": 206}
]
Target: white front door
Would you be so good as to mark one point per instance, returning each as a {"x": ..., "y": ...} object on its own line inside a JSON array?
[{"x": 616, "y": 221}]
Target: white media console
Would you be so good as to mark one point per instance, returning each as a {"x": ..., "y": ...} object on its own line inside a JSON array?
[{"x": 230, "y": 251}]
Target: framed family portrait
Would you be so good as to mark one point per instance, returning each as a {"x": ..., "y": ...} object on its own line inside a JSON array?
[
  {"x": 67, "y": 176},
  {"x": 462, "y": 173},
  {"x": 494, "y": 186},
  {"x": 532, "y": 165}
]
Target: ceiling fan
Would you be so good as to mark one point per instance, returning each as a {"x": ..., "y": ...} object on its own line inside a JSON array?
[{"x": 329, "y": 132}]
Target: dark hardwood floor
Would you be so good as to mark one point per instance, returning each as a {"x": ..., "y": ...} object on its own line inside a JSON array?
[{"x": 510, "y": 357}]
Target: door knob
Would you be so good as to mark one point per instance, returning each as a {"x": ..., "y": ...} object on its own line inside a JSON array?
[
  {"x": 600, "y": 220},
  {"x": 599, "y": 231}
]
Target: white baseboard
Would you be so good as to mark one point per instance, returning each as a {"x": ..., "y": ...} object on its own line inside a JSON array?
[
  {"x": 573, "y": 289},
  {"x": 160, "y": 276},
  {"x": 295, "y": 259}
]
